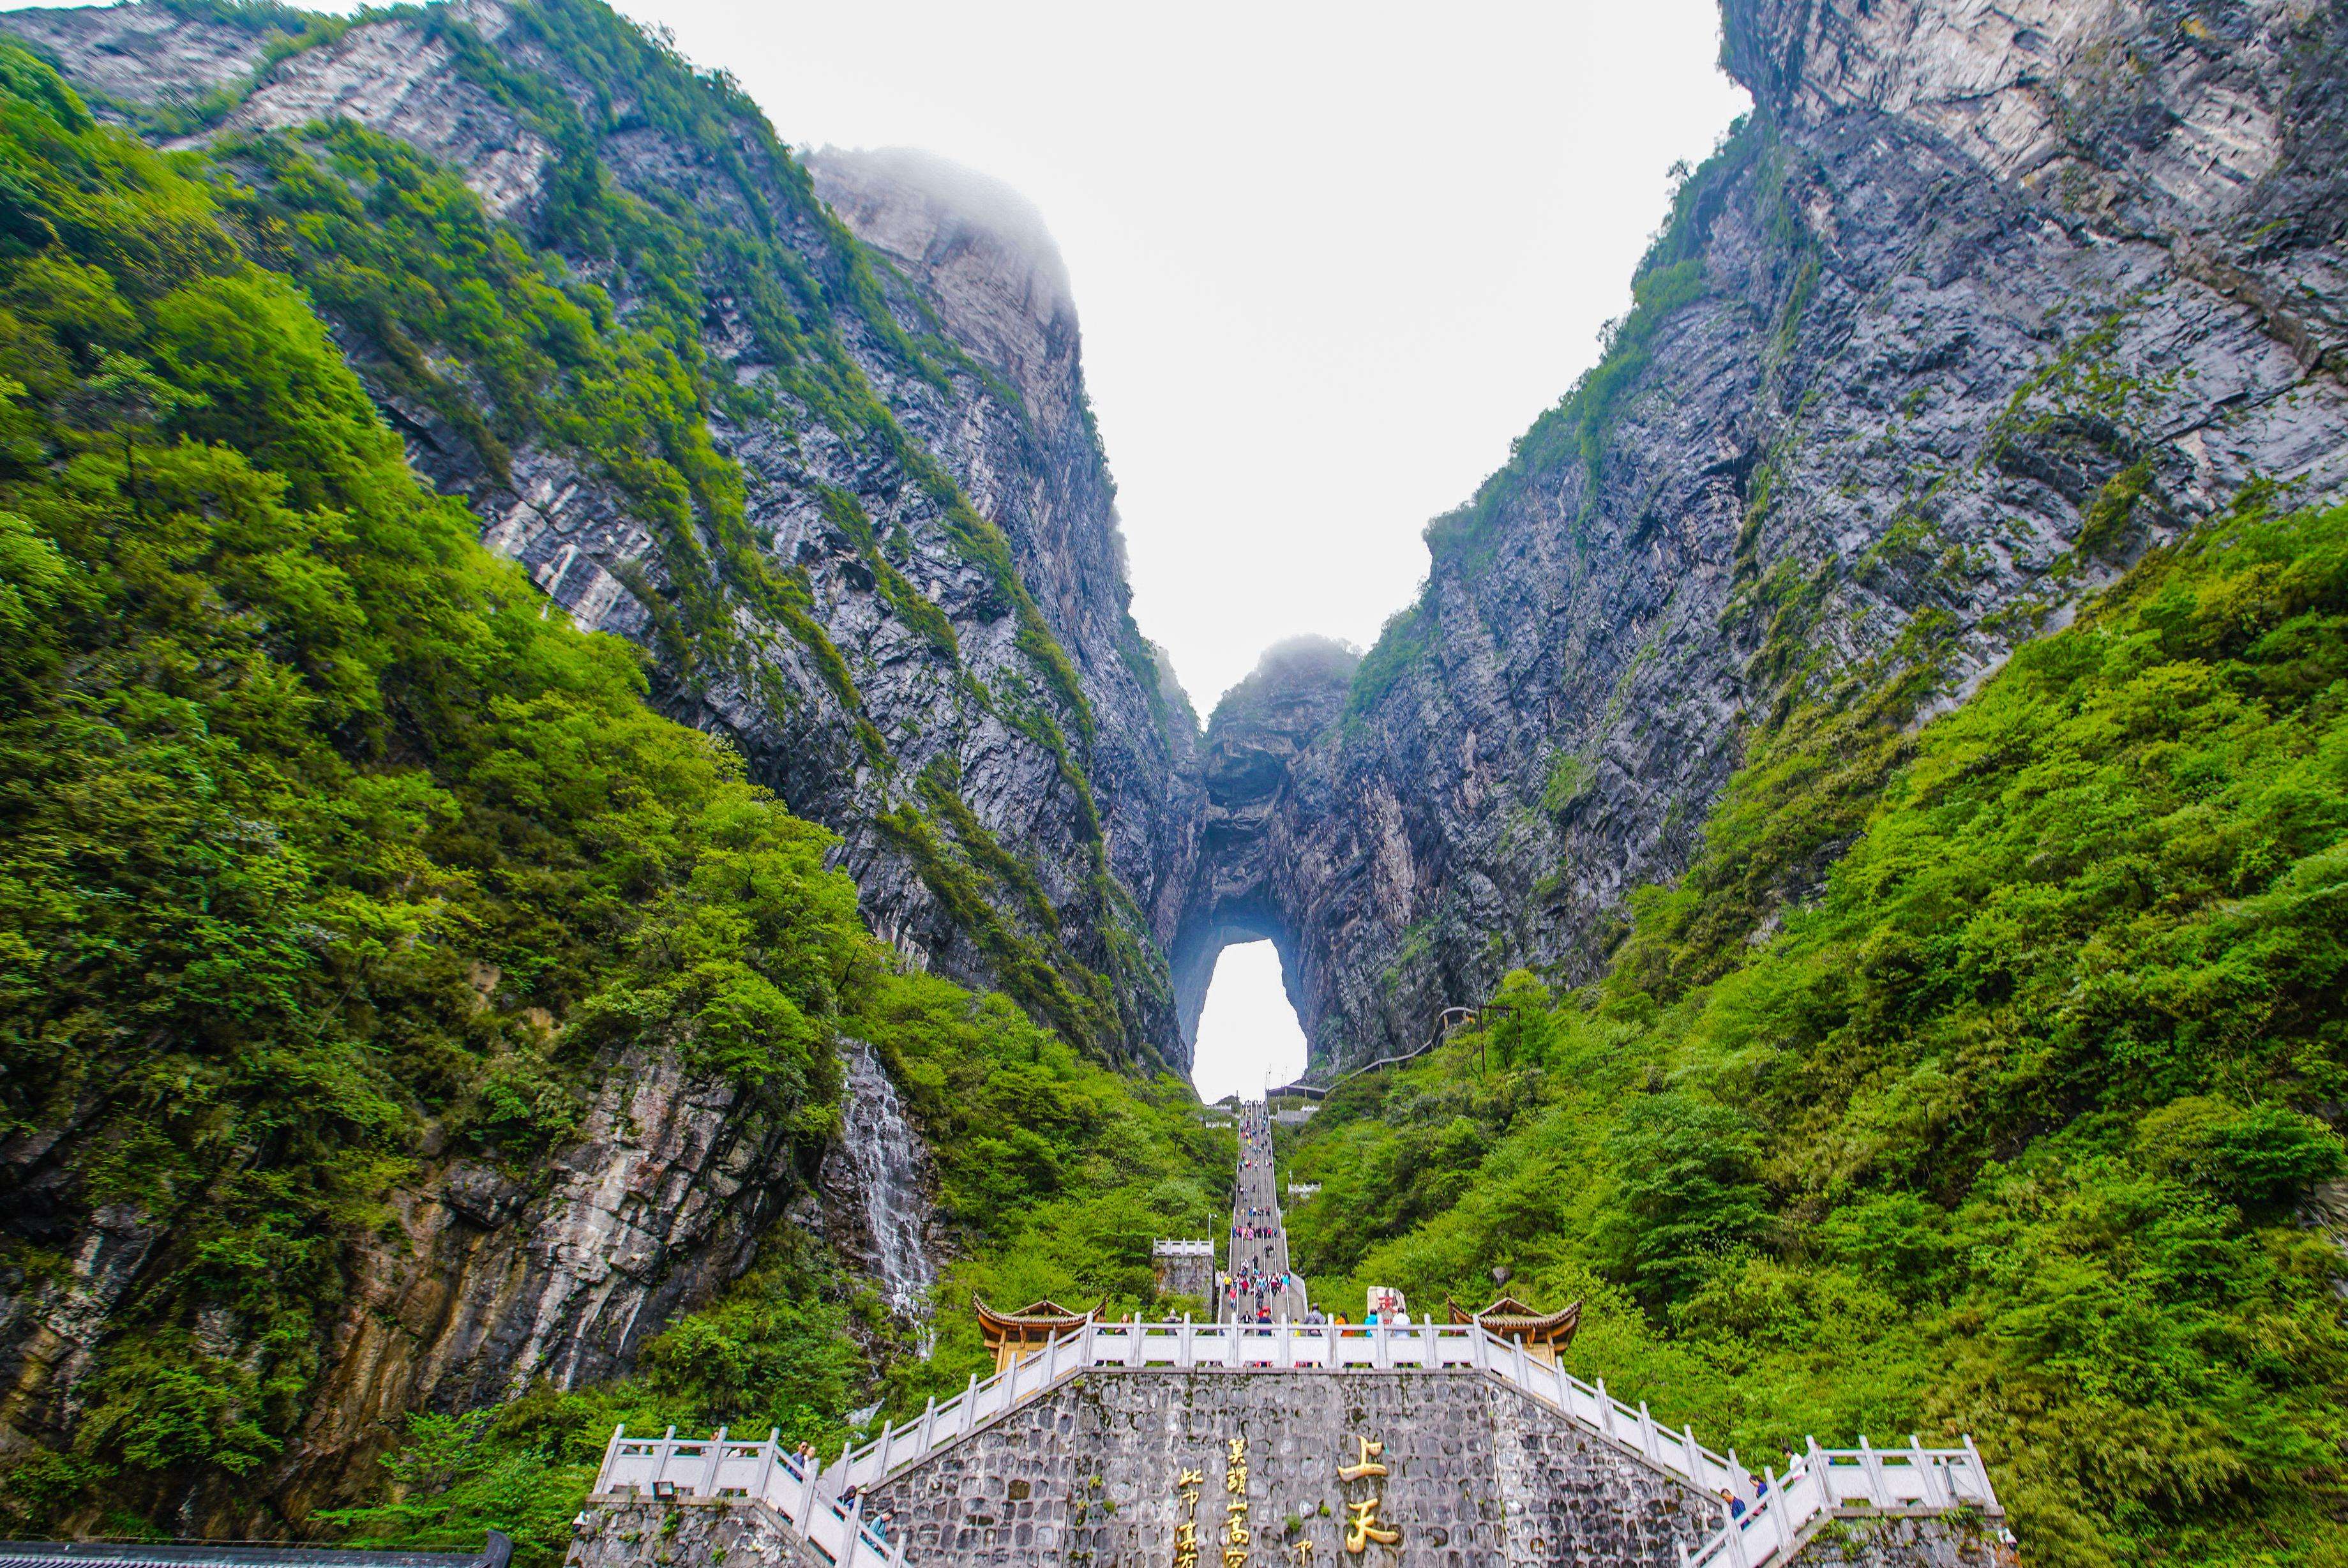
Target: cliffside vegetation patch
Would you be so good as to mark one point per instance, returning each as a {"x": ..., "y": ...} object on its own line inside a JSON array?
[
  {"x": 2007, "y": 1124},
  {"x": 328, "y": 855}
]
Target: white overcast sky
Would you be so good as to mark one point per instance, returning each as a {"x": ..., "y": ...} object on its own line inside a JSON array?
[{"x": 1329, "y": 260}]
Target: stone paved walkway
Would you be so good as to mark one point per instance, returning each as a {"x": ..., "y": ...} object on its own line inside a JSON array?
[{"x": 1257, "y": 1260}]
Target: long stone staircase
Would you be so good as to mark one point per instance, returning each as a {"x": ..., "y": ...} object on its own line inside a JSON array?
[
  {"x": 956, "y": 1514},
  {"x": 1259, "y": 1236}
]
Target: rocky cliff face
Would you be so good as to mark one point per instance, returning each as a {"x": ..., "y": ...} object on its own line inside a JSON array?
[
  {"x": 1977, "y": 306},
  {"x": 912, "y": 624},
  {"x": 1254, "y": 775},
  {"x": 965, "y": 693}
]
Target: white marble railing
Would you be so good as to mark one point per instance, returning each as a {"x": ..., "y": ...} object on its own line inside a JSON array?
[
  {"x": 1913, "y": 1478},
  {"x": 721, "y": 1466},
  {"x": 1169, "y": 1248},
  {"x": 1910, "y": 1478}
]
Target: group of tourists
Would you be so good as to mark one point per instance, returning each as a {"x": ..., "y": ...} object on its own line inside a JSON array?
[
  {"x": 1257, "y": 1286},
  {"x": 1250, "y": 1294}
]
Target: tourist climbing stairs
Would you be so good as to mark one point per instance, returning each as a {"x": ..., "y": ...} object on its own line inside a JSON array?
[{"x": 1260, "y": 1283}]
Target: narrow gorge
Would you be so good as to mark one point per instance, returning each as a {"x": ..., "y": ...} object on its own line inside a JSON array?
[{"x": 591, "y": 837}]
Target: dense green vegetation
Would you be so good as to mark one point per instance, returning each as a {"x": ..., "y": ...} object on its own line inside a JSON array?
[
  {"x": 2003, "y": 1132},
  {"x": 584, "y": 336},
  {"x": 325, "y": 856}
]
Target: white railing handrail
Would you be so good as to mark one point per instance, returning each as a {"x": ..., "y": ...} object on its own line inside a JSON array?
[
  {"x": 1170, "y": 1247},
  {"x": 764, "y": 1471},
  {"x": 1913, "y": 1477}
]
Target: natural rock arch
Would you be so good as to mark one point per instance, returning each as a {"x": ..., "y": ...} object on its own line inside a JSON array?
[{"x": 1242, "y": 886}]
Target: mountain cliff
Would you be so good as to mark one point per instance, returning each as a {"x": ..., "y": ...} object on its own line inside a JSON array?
[
  {"x": 861, "y": 517},
  {"x": 421, "y": 1013},
  {"x": 401, "y": 1013},
  {"x": 1976, "y": 307}
]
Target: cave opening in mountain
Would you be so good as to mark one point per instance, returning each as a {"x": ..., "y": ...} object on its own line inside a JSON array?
[{"x": 1249, "y": 1036}]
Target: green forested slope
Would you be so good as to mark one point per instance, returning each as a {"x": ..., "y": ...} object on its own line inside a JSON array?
[
  {"x": 2007, "y": 1130},
  {"x": 323, "y": 845}
]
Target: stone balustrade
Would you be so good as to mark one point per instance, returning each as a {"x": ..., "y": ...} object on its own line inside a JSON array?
[
  {"x": 1913, "y": 1478},
  {"x": 725, "y": 1467}
]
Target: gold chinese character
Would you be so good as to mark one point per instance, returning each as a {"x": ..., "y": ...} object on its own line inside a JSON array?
[
  {"x": 1236, "y": 1535},
  {"x": 1235, "y": 1479},
  {"x": 1302, "y": 1552},
  {"x": 1186, "y": 1535},
  {"x": 1189, "y": 1478},
  {"x": 1369, "y": 1452},
  {"x": 1234, "y": 1556},
  {"x": 1239, "y": 1450},
  {"x": 1189, "y": 1559},
  {"x": 1362, "y": 1527}
]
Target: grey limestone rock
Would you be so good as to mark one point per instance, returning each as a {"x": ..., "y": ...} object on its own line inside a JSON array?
[{"x": 1967, "y": 271}]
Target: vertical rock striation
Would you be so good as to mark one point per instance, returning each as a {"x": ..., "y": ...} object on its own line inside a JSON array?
[
  {"x": 958, "y": 690},
  {"x": 1978, "y": 303}
]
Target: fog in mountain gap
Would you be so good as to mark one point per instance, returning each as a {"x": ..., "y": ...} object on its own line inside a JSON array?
[{"x": 1329, "y": 260}]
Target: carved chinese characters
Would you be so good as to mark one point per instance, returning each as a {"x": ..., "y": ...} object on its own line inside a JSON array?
[
  {"x": 1362, "y": 1524},
  {"x": 1235, "y": 1506}
]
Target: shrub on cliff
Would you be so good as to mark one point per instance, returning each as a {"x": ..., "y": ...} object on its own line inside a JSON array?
[{"x": 2007, "y": 1131}]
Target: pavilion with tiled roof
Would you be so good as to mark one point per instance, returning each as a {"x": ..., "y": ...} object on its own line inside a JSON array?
[
  {"x": 1011, "y": 1336},
  {"x": 1546, "y": 1333}
]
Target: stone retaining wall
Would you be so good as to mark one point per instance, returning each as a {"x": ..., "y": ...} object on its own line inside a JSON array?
[
  {"x": 1476, "y": 1475},
  {"x": 1852, "y": 1538},
  {"x": 687, "y": 1532},
  {"x": 1189, "y": 1276}
]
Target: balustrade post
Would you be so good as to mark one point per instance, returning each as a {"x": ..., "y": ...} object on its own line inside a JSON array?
[
  {"x": 1646, "y": 1431},
  {"x": 1737, "y": 1477},
  {"x": 1605, "y": 1405},
  {"x": 929, "y": 1419},
  {"x": 1872, "y": 1468},
  {"x": 1284, "y": 1346},
  {"x": 1518, "y": 1359},
  {"x": 855, "y": 1532},
  {"x": 1695, "y": 1456},
  {"x": 1182, "y": 1351},
  {"x": 1133, "y": 1342},
  {"x": 806, "y": 1520},
  {"x": 663, "y": 1454},
  {"x": 1780, "y": 1507},
  {"x": 611, "y": 1458},
  {"x": 1980, "y": 1473},
  {"x": 1928, "y": 1477},
  {"x": 970, "y": 1406},
  {"x": 1822, "y": 1470},
  {"x": 710, "y": 1460},
  {"x": 1737, "y": 1556},
  {"x": 881, "y": 1467}
]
